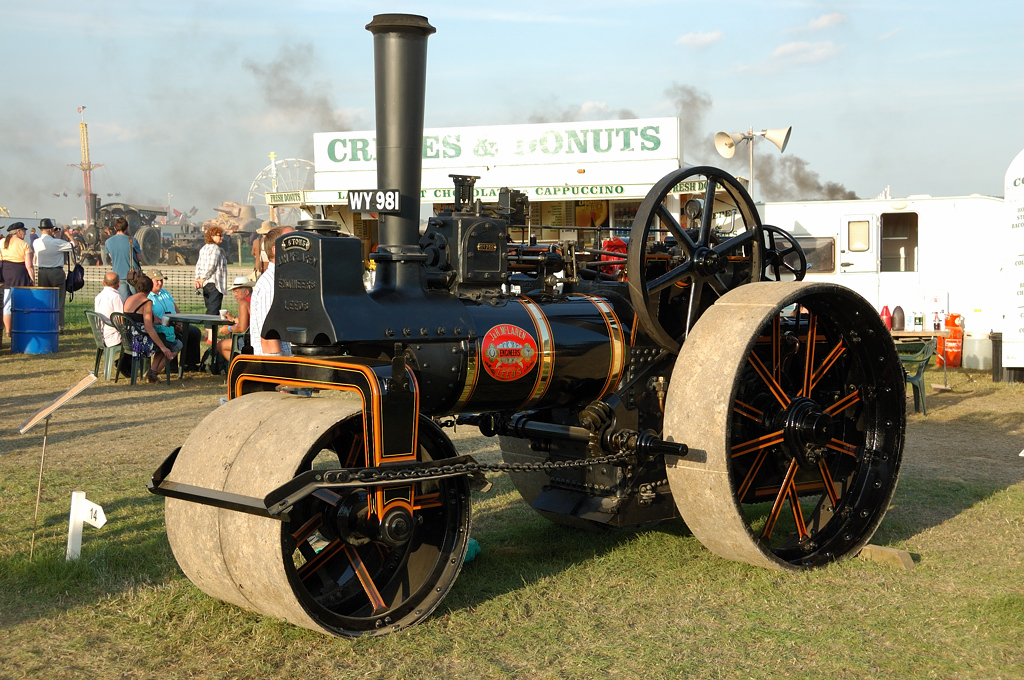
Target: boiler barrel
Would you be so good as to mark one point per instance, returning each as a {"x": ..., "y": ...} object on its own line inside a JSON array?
[{"x": 526, "y": 354}]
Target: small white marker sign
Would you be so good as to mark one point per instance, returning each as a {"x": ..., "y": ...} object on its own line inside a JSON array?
[{"x": 83, "y": 511}]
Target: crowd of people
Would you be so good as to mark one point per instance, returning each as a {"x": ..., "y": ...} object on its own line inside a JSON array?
[
  {"x": 22, "y": 252},
  {"x": 28, "y": 258}
]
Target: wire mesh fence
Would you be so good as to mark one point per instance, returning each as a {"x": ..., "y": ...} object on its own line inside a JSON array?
[{"x": 178, "y": 280}]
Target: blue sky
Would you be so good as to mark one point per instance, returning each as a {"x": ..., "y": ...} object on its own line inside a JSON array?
[{"x": 189, "y": 98}]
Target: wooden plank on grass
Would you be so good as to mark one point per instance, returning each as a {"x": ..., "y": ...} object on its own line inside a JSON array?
[{"x": 893, "y": 556}]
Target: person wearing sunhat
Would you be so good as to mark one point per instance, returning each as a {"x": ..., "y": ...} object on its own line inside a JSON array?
[
  {"x": 51, "y": 255},
  {"x": 17, "y": 266},
  {"x": 259, "y": 257},
  {"x": 241, "y": 288}
]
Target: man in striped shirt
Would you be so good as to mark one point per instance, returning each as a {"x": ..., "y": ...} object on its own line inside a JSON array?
[{"x": 262, "y": 298}]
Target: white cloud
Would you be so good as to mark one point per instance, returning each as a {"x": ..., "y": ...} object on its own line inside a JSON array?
[
  {"x": 826, "y": 21},
  {"x": 890, "y": 34},
  {"x": 699, "y": 41},
  {"x": 796, "y": 53}
]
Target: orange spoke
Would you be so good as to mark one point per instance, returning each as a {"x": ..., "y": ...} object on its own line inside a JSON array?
[
  {"x": 827, "y": 364},
  {"x": 761, "y": 456},
  {"x": 307, "y": 529},
  {"x": 842, "y": 447},
  {"x": 364, "y": 578},
  {"x": 311, "y": 567},
  {"x": 761, "y": 442},
  {"x": 798, "y": 513},
  {"x": 830, "y": 487},
  {"x": 747, "y": 410},
  {"x": 773, "y": 386},
  {"x": 801, "y": 487},
  {"x": 773, "y": 517},
  {"x": 424, "y": 502},
  {"x": 844, "y": 403},
  {"x": 353, "y": 452},
  {"x": 812, "y": 331}
]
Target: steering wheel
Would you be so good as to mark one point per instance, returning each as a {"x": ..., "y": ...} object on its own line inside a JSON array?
[
  {"x": 672, "y": 281},
  {"x": 784, "y": 258}
]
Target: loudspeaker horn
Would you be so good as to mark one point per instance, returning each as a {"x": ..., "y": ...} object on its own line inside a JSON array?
[
  {"x": 725, "y": 143},
  {"x": 779, "y": 137}
]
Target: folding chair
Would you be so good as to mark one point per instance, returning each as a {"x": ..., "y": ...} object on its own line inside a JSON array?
[
  {"x": 108, "y": 354},
  {"x": 125, "y": 326},
  {"x": 915, "y": 357},
  {"x": 239, "y": 344}
]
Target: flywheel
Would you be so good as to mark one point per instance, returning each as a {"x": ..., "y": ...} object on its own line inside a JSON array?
[
  {"x": 791, "y": 398},
  {"x": 347, "y": 562}
]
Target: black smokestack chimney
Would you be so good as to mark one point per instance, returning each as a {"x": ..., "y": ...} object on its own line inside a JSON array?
[{"x": 400, "y": 73}]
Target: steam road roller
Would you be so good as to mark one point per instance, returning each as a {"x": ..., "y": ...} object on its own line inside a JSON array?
[{"x": 698, "y": 377}]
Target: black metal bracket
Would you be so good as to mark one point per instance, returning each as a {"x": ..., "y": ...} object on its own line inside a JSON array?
[
  {"x": 278, "y": 502},
  {"x": 161, "y": 486}
]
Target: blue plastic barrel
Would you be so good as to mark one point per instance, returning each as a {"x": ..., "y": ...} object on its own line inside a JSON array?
[{"x": 35, "y": 320}]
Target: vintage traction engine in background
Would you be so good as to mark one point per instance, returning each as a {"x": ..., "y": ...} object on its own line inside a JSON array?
[{"x": 767, "y": 413}]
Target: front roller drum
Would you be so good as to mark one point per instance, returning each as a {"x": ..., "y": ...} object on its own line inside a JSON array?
[
  {"x": 333, "y": 566},
  {"x": 791, "y": 398}
]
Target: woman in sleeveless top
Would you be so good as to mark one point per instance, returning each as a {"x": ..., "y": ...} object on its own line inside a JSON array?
[
  {"x": 17, "y": 266},
  {"x": 139, "y": 308}
]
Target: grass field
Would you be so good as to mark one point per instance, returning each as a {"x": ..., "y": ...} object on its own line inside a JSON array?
[{"x": 540, "y": 601}]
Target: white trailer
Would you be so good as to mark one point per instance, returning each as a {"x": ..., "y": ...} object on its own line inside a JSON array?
[{"x": 928, "y": 255}]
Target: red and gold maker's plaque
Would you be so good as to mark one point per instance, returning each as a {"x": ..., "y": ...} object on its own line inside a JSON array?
[{"x": 509, "y": 352}]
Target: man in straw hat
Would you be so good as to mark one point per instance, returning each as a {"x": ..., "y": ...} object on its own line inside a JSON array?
[
  {"x": 259, "y": 257},
  {"x": 241, "y": 288}
]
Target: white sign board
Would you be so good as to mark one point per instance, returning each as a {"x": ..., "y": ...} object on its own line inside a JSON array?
[
  {"x": 1013, "y": 323},
  {"x": 641, "y": 139},
  {"x": 83, "y": 511}
]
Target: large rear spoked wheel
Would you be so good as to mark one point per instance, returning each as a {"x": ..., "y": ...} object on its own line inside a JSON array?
[
  {"x": 790, "y": 397},
  {"x": 348, "y": 562}
]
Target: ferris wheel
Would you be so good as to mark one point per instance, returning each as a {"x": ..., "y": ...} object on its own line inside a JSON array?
[{"x": 287, "y": 174}]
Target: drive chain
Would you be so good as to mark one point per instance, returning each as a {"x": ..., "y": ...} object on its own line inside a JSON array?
[{"x": 378, "y": 475}]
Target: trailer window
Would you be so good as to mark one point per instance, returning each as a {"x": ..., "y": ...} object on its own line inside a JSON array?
[
  {"x": 859, "y": 235},
  {"x": 821, "y": 254},
  {"x": 899, "y": 242}
]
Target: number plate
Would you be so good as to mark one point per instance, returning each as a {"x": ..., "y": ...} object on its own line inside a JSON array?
[{"x": 382, "y": 201}]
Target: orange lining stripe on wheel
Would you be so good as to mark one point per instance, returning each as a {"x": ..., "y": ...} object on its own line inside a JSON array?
[
  {"x": 369, "y": 587},
  {"x": 752, "y": 474},
  {"x": 842, "y": 447},
  {"x": 311, "y": 567},
  {"x": 826, "y": 477},
  {"x": 844, "y": 403},
  {"x": 773, "y": 386},
  {"x": 832, "y": 357},
  {"x": 784, "y": 489},
  {"x": 798, "y": 513},
  {"x": 307, "y": 529},
  {"x": 747, "y": 410},
  {"x": 761, "y": 442}
]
